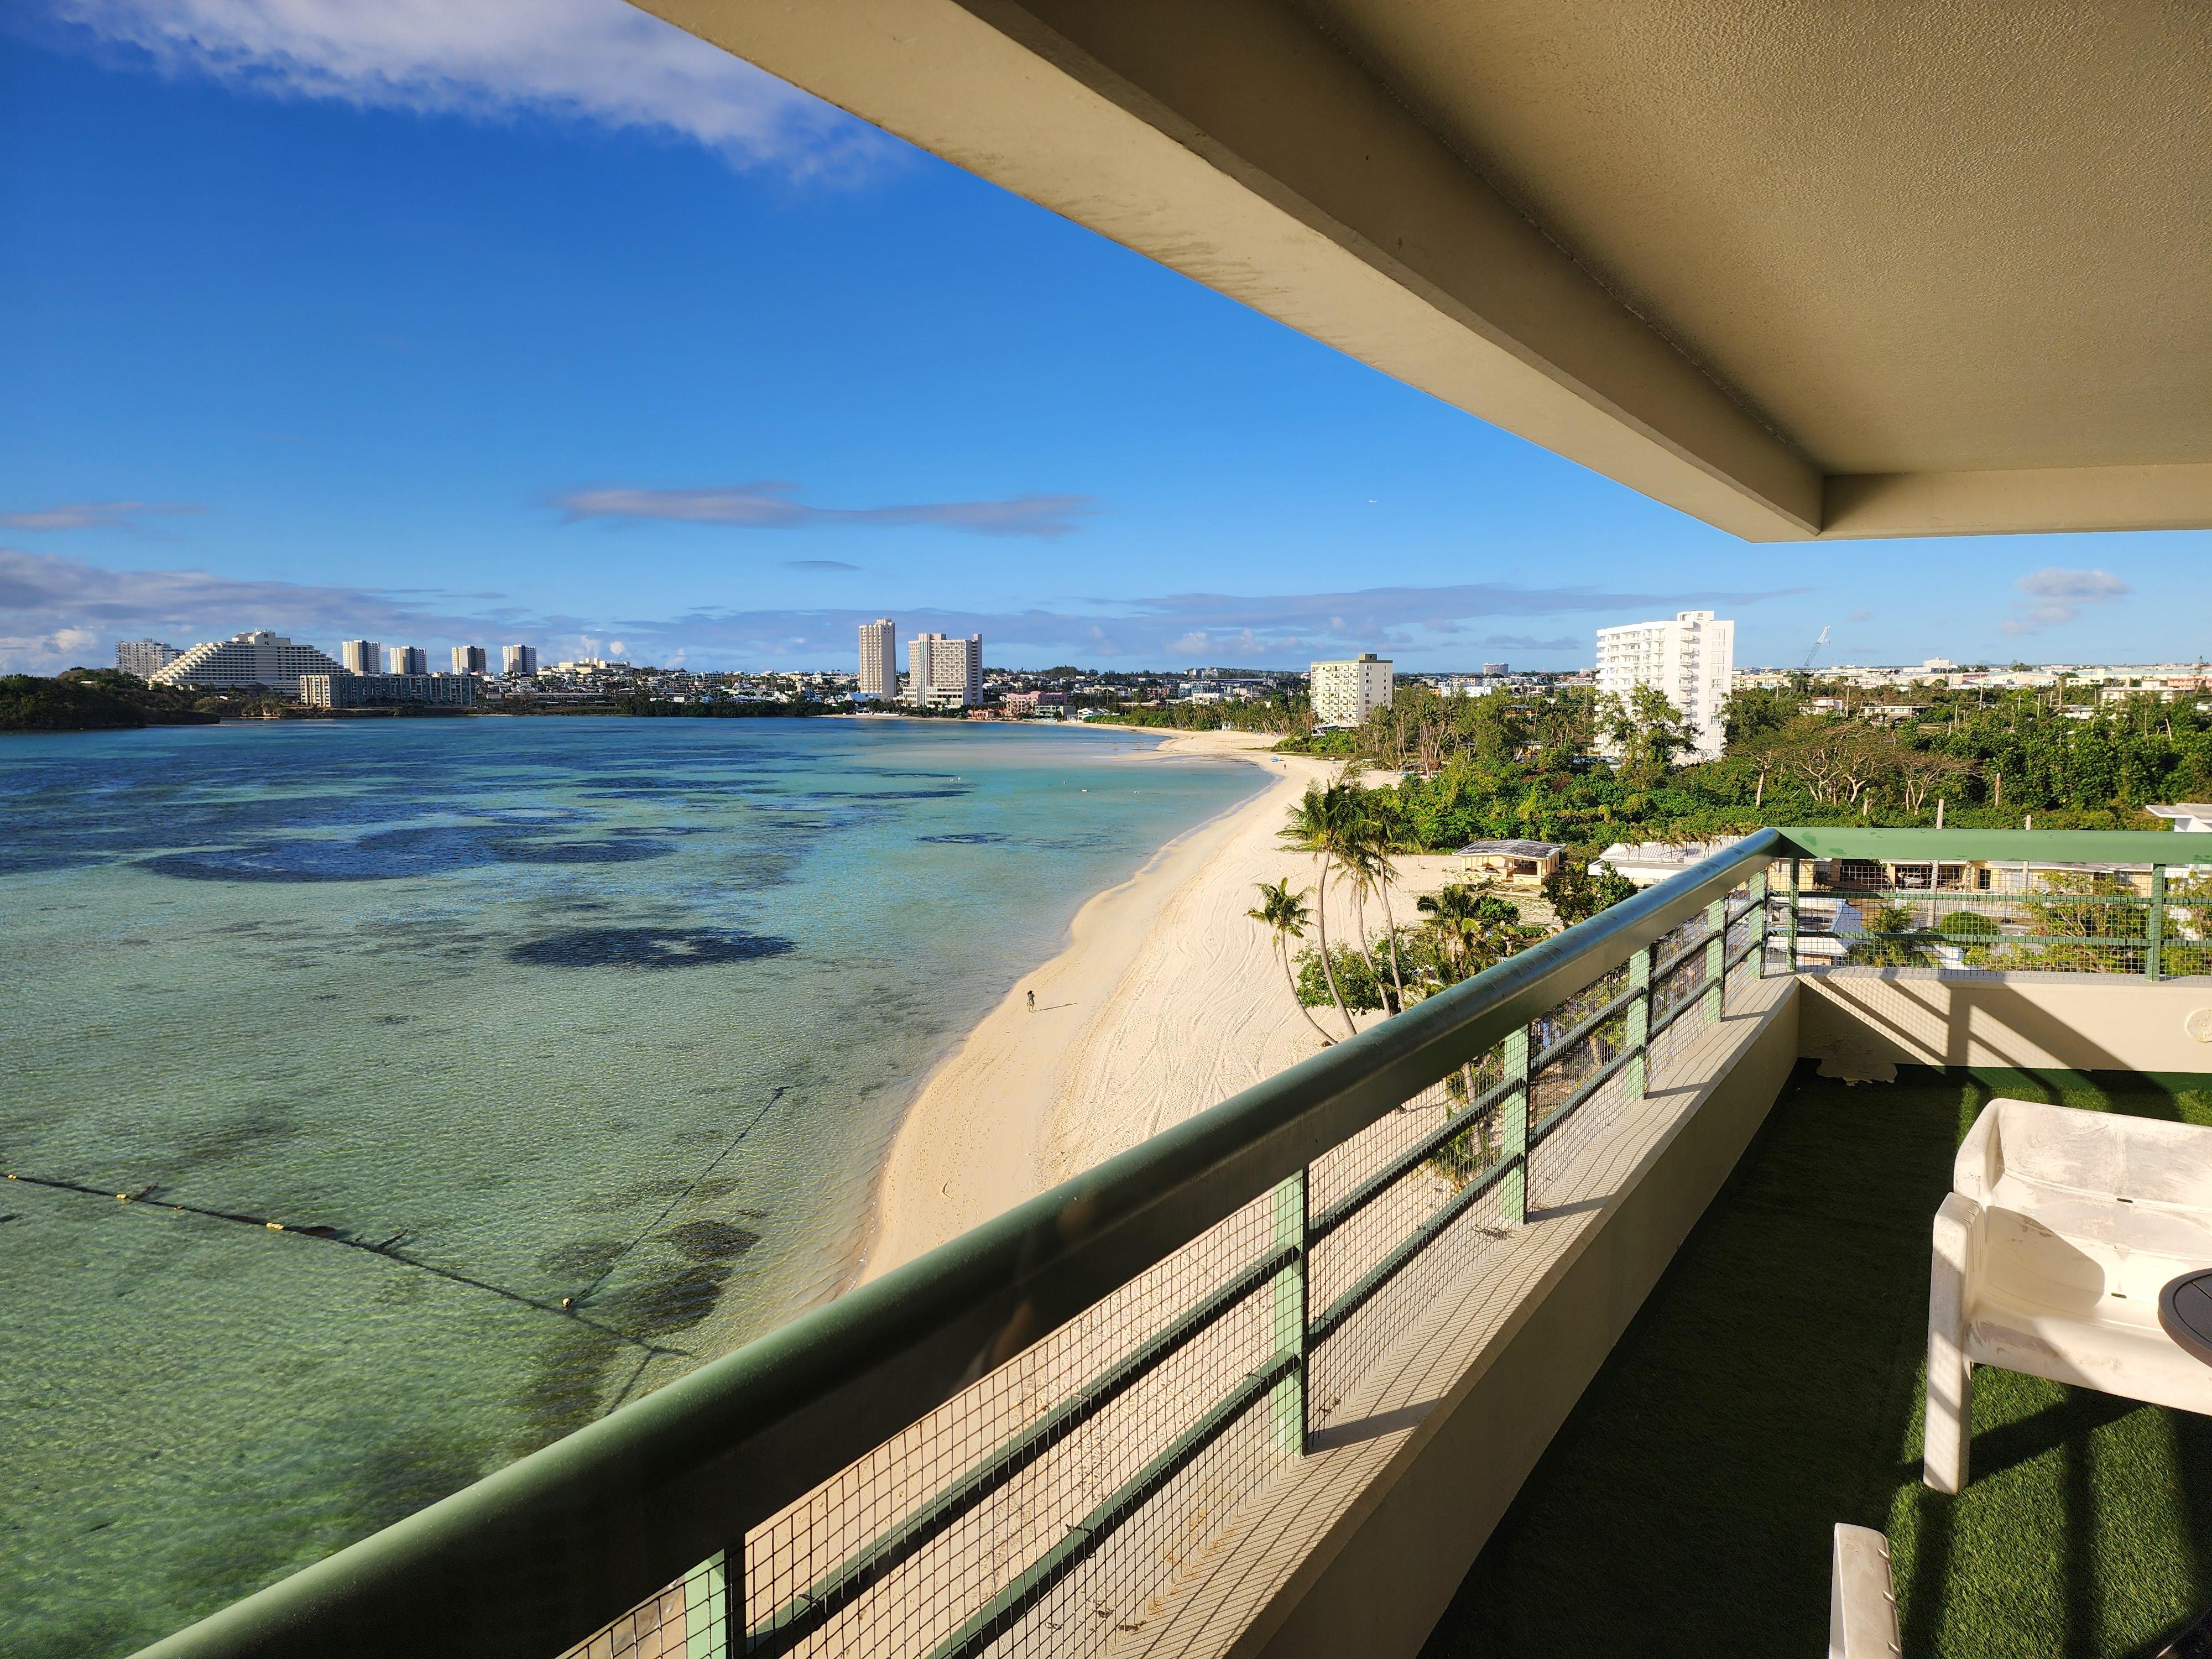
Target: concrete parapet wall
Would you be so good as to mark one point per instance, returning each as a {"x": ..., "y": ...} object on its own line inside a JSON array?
[
  {"x": 1378, "y": 1587},
  {"x": 2024, "y": 1022}
]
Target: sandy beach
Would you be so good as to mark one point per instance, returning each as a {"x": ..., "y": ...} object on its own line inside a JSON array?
[{"x": 1166, "y": 1001}]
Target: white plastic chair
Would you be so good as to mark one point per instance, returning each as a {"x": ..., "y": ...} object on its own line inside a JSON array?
[{"x": 2060, "y": 1231}]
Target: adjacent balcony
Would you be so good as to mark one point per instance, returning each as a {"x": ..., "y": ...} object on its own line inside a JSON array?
[{"x": 1566, "y": 1311}]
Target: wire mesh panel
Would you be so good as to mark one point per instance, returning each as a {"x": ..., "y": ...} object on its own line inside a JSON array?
[
  {"x": 1402, "y": 1209},
  {"x": 902, "y": 1551},
  {"x": 689, "y": 1620},
  {"x": 1056, "y": 1504},
  {"x": 1853, "y": 913}
]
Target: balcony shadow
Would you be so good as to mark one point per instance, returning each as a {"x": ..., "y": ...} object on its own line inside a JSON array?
[{"x": 1368, "y": 1428}]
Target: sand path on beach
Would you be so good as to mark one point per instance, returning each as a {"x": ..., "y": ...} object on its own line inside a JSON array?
[{"x": 1167, "y": 1001}]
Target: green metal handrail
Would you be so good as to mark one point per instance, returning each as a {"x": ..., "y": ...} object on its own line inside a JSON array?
[{"x": 535, "y": 1558}]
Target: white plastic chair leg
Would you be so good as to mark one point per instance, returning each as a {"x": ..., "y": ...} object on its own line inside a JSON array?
[
  {"x": 1950, "y": 1421},
  {"x": 1862, "y": 1599}
]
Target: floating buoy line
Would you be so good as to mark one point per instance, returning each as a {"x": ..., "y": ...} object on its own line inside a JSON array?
[{"x": 388, "y": 1248}]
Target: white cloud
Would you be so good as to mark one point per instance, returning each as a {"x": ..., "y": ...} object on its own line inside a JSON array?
[
  {"x": 53, "y": 607},
  {"x": 595, "y": 60},
  {"x": 769, "y": 506},
  {"x": 2055, "y": 597},
  {"x": 49, "y": 653},
  {"x": 1178, "y": 629},
  {"x": 92, "y": 515}
]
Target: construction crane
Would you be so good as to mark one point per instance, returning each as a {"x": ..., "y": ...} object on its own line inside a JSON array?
[{"x": 1814, "y": 651}]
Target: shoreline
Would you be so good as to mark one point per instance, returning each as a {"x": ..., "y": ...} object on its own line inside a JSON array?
[{"x": 1151, "y": 1005}]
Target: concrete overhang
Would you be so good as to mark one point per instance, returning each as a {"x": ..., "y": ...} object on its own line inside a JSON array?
[{"x": 1798, "y": 270}]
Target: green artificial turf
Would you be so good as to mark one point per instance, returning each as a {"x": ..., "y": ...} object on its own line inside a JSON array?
[{"x": 1771, "y": 1387}]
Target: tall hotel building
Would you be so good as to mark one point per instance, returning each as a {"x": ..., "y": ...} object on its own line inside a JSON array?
[
  {"x": 468, "y": 660},
  {"x": 948, "y": 672},
  {"x": 143, "y": 657},
  {"x": 518, "y": 659},
  {"x": 259, "y": 657},
  {"x": 406, "y": 659},
  {"x": 880, "y": 658},
  {"x": 1346, "y": 691},
  {"x": 1687, "y": 660},
  {"x": 362, "y": 657}
]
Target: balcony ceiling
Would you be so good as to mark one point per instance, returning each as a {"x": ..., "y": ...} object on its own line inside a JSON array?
[{"x": 1796, "y": 268}]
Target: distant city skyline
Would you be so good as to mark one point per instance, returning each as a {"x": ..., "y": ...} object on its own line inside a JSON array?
[{"x": 332, "y": 410}]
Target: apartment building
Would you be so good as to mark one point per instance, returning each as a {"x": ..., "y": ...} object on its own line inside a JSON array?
[
  {"x": 406, "y": 659},
  {"x": 362, "y": 657},
  {"x": 1344, "y": 692},
  {"x": 947, "y": 670},
  {"x": 145, "y": 658},
  {"x": 371, "y": 690},
  {"x": 519, "y": 660},
  {"x": 470, "y": 659},
  {"x": 880, "y": 658},
  {"x": 1689, "y": 659}
]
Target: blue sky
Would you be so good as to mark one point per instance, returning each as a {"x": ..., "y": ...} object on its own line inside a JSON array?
[{"x": 445, "y": 320}]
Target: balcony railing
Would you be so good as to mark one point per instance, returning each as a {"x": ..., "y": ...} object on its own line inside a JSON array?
[{"x": 1025, "y": 1433}]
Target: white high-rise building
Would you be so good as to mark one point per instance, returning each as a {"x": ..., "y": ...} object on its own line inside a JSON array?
[
  {"x": 469, "y": 660},
  {"x": 519, "y": 660},
  {"x": 258, "y": 658},
  {"x": 1344, "y": 692},
  {"x": 880, "y": 658},
  {"x": 1688, "y": 660},
  {"x": 144, "y": 657},
  {"x": 948, "y": 671},
  {"x": 406, "y": 659},
  {"x": 362, "y": 657}
]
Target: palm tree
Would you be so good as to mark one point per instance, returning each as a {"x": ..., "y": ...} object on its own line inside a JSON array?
[
  {"x": 1454, "y": 913},
  {"x": 1374, "y": 830},
  {"x": 1284, "y": 913},
  {"x": 1321, "y": 823}
]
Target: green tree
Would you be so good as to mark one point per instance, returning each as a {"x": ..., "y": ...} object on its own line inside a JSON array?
[
  {"x": 1577, "y": 895},
  {"x": 1341, "y": 975},
  {"x": 1647, "y": 731},
  {"x": 1757, "y": 710}
]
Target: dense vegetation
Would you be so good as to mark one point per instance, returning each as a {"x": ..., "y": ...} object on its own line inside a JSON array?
[
  {"x": 644, "y": 703},
  {"x": 1512, "y": 764},
  {"x": 1288, "y": 714},
  {"x": 92, "y": 700}
]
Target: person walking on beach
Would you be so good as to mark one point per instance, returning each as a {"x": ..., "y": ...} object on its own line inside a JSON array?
[{"x": 1033, "y": 1002}]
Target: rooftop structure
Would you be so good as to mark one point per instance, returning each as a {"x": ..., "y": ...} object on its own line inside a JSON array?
[
  {"x": 1646, "y": 862},
  {"x": 2189, "y": 816},
  {"x": 1347, "y": 690},
  {"x": 1513, "y": 858},
  {"x": 255, "y": 659},
  {"x": 1690, "y": 659}
]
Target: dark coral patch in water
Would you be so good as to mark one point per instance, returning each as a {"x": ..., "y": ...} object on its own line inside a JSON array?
[
  {"x": 966, "y": 838},
  {"x": 390, "y": 854},
  {"x": 713, "y": 1241},
  {"x": 646, "y": 947}
]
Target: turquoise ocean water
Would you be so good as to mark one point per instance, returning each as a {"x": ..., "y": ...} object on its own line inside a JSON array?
[{"x": 506, "y": 1012}]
